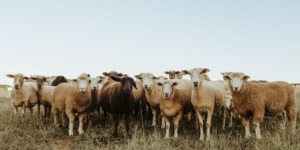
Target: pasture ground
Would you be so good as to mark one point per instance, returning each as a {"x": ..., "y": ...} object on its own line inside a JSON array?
[{"x": 31, "y": 132}]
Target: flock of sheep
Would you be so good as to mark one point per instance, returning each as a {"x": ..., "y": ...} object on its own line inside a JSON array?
[{"x": 171, "y": 97}]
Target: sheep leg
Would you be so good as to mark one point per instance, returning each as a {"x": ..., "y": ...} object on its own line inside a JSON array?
[
  {"x": 64, "y": 119},
  {"x": 291, "y": 113},
  {"x": 71, "y": 117},
  {"x": 245, "y": 122},
  {"x": 200, "y": 118},
  {"x": 176, "y": 124},
  {"x": 163, "y": 124},
  {"x": 81, "y": 118},
  {"x": 127, "y": 125},
  {"x": 208, "y": 124},
  {"x": 153, "y": 116},
  {"x": 56, "y": 113},
  {"x": 24, "y": 109},
  {"x": 39, "y": 110},
  {"x": 189, "y": 116},
  {"x": 116, "y": 118},
  {"x": 196, "y": 125},
  {"x": 45, "y": 110},
  {"x": 90, "y": 117},
  {"x": 230, "y": 118},
  {"x": 31, "y": 111},
  {"x": 224, "y": 118},
  {"x": 15, "y": 110},
  {"x": 282, "y": 120},
  {"x": 167, "y": 126},
  {"x": 49, "y": 111},
  {"x": 257, "y": 130}
]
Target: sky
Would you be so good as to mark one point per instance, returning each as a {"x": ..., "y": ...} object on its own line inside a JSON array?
[{"x": 69, "y": 37}]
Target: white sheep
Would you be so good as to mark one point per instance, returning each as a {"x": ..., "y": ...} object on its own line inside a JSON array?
[{"x": 207, "y": 97}]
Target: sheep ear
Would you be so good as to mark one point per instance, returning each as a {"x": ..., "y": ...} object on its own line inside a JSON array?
[
  {"x": 74, "y": 80},
  {"x": 185, "y": 72},
  {"x": 246, "y": 77},
  {"x": 159, "y": 84},
  {"x": 205, "y": 70},
  {"x": 167, "y": 72},
  {"x": 88, "y": 75},
  {"x": 100, "y": 77},
  {"x": 105, "y": 73},
  {"x": 10, "y": 76},
  {"x": 125, "y": 75},
  {"x": 224, "y": 73},
  {"x": 226, "y": 77},
  {"x": 45, "y": 79},
  {"x": 177, "y": 72},
  {"x": 25, "y": 78},
  {"x": 138, "y": 76},
  {"x": 120, "y": 74},
  {"x": 174, "y": 84},
  {"x": 154, "y": 77},
  {"x": 166, "y": 78},
  {"x": 117, "y": 79},
  {"x": 33, "y": 78},
  {"x": 134, "y": 85}
]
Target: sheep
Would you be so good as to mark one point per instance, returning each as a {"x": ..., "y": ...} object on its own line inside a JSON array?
[
  {"x": 229, "y": 105},
  {"x": 45, "y": 94},
  {"x": 96, "y": 86},
  {"x": 257, "y": 100},
  {"x": 24, "y": 94},
  {"x": 207, "y": 97},
  {"x": 58, "y": 80},
  {"x": 176, "y": 102},
  {"x": 153, "y": 93},
  {"x": 73, "y": 98},
  {"x": 117, "y": 98},
  {"x": 174, "y": 74}
]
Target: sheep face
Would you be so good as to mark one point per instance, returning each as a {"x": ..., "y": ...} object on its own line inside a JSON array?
[
  {"x": 83, "y": 82},
  {"x": 167, "y": 88},
  {"x": 196, "y": 74},
  {"x": 174, "y": 74},
  {"x": 236, "y": 80},
  {"x": 171, "y": 73},
  {"x": 39, "y": 80},
  {"x": 127, "y": 84},
  {"x": 18, "y": 79},
  {"x": 112, "y": 73},
  {"x": 147, "y": 79},
  {"x": 95, "y": 83}
]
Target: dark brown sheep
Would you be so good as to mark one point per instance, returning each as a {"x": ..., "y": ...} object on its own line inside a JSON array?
[
  {"x": 58, "y": 80},
  {"x": 117, "y": 98}
]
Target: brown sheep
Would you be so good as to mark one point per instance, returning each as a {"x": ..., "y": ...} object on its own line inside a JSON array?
[
  {"x": 176, "y": 102},
  {"x": 117, "y": 98},
  {"x": 257, "y": 100},
  {"x": 23, "y": 94},
  {"x": 73, "y": 98}
]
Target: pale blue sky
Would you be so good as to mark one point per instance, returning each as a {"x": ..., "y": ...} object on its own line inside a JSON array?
[{"x": 259, "y": 37}]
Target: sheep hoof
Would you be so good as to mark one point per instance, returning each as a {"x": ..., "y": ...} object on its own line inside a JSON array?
[
  {"x": 80, "y": 131},
  {"x": 166, "y": 138},
  {"x": 71, "y": 133},
  {"x": 201, "y": 138}
]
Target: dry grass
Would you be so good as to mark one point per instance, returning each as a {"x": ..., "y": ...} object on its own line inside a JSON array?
[{"x": 30, "y": 132}]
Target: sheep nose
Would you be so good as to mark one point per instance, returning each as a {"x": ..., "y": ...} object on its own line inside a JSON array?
[
  {"x": 146, "y": 86},
  {"x": 16, "y": 86},
  {"x": 195, "y": 84},
  {"x": 166, "y": 94},
  {"x": 236, "y": 88},
  {"x": 82, "y": 89}
]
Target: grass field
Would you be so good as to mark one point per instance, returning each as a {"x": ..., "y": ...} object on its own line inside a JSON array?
[{"x": 31, "y": 132}]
